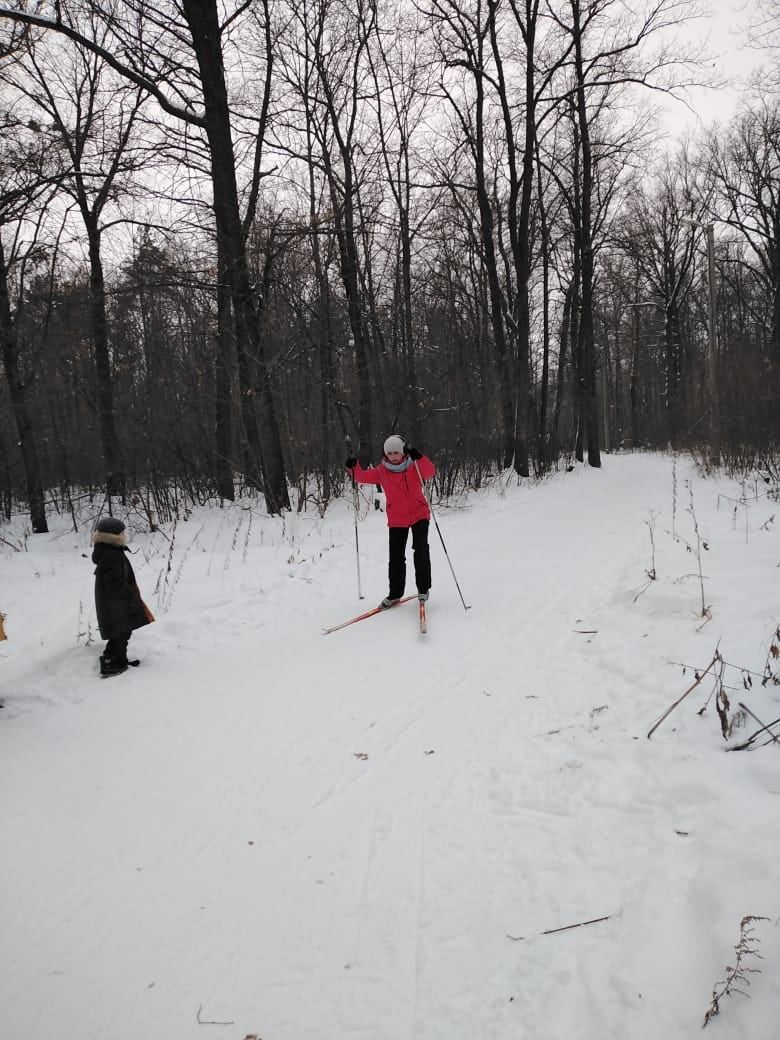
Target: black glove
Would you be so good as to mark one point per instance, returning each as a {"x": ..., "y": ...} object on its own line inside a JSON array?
[
  {"x": 413, "y": 453},
  {"x": 351, "y": 462}
]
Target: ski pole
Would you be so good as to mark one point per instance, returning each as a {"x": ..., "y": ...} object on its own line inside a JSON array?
[
  {"x": 444, "y": 547},
  {"x": 355, "y": 507}
]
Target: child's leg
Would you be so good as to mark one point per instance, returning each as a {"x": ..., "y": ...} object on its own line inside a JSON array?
[
  {"x": 116, "y": 649},
  {"x": 422, "y": 556},
  {"x": 397, "y": 567}
]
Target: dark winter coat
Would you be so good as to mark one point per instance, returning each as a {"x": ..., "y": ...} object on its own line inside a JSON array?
[
  {"x": 118, "y": 602},
  {"x": 406, "y": 503}
]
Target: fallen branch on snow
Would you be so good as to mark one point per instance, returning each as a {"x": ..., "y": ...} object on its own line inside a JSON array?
[
  {"x": 691, "y": 688},
  {"x": 565, "y": 928},
  {"x": 208, "y": 1021}
]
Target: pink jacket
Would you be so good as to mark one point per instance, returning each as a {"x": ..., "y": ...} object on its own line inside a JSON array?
[{"x": 406, "y": 502}]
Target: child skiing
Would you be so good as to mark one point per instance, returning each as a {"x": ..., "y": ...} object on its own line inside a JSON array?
[
  {"x": 400, "y": 475},
  {"x": 118, "y": 602}
]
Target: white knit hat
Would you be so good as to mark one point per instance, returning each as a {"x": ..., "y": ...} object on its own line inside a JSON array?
[{"x": 394, "y": 443}]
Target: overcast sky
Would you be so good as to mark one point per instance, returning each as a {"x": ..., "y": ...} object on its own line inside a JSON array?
[{"x": 728, "y": 41}]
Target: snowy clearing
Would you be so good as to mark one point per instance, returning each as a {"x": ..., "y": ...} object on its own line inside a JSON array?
[{"x": 264, "y": 830}]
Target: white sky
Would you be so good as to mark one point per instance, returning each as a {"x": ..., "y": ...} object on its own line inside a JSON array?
[{"x": 733, "y": 59}]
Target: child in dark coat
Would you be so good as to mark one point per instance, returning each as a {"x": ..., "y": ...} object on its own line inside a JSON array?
[
  {"x": 118, "y": 602},
  {"x": 400, "y": 475}
]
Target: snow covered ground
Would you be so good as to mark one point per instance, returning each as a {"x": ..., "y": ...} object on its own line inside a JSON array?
[{"x": 268, "y": 831}]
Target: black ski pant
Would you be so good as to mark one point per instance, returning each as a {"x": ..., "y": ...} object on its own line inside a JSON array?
[{"x": 421, "y": 554}]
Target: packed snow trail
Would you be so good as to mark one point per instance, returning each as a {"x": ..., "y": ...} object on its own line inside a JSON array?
[{"x": 305, "y": 837}]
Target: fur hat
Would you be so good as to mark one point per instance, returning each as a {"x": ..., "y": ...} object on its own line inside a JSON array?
[
  {"x": 395, "y": 443},
  {"x": 110, "y": 525}
]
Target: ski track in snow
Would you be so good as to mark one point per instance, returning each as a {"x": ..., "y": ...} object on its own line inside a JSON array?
[{"x": 335, "y": 836}]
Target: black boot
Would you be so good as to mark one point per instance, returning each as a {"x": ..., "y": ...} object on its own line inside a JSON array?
[{"x": 110, "y": 667}]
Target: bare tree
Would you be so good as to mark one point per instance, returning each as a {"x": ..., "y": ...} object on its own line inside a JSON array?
[
  {"x": 765, "y": 37},
  {"x": 28, "y": 182},
  {"x": 402, "y": 71},
  {"x": 342, "y": 82},
  {"x": 745, "y": 173},
  {"x": 463, "y": 34},
  {"x": 176, "y": 55},
  {"x": 91, "y": 121},
  {"x": 663, "y": 251},
  {"x": 613, "y": 51}
]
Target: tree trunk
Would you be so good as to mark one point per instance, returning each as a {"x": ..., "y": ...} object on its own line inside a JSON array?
[
  {"x": 544, "y": 390},
  {"x": 564, "y": 339},
  {"x": 406, "y": 305},
  {"x": 203, "y": 20},
  {"x": 112, "y": 453},
  {"x": 344, "y": 220},
  {"x": 523, "y": 251},
  {"x": 323, "y": 335},
  {"x": 494, "y": 286},
  {"x": 585, "y": 235},
  {"x": 223, "y": 412},
  {"x": 18, "y": 392}
]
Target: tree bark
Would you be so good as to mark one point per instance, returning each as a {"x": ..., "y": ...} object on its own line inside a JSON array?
[
  {"x": 112, "y": 453},
  {"x": 203, "y": 21},
  {"x": 585, "y": 236},
  {"x": 223, "y": 425},
  {"x": 18, "y": 393}
]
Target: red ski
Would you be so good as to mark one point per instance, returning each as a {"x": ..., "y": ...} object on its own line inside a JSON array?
[
  {"x": 368, "y": 614},
  {"x": 423, "y": 620}
]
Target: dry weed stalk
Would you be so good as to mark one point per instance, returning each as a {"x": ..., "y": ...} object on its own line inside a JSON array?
[
  {"x": 161, "y": 585},
  {"x": 651, "y": 573},
  {"x": 247, "y": 537},
  {"x": 754, "y": 736},
  {"x": 721, "y": 690},
  {"x": 772, "y": 657},
  {"x": 700, "y": 544},
  {"x": 737, "y": 976},
  {"x": 698, "y": 678},
  {"x": 84, "y": 621},
  {"x": 170, "y": 586}
]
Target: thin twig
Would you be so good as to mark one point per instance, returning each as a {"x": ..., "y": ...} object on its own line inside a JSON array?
[
  {"x": 728, "y": 664},
  {"x": 707, "y": 618},
  {"x": 749, "y": 741},
  {"x": 644, "y": 589},
  {"x": 679, "y": 700},
  {"x": 210, "y": 1022},
  {"x": 565, "y": 928},
  {"x": 758, "y": 720}
]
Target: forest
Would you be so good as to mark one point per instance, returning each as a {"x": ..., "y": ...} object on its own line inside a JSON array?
[{"x": 240, "y": 240}]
